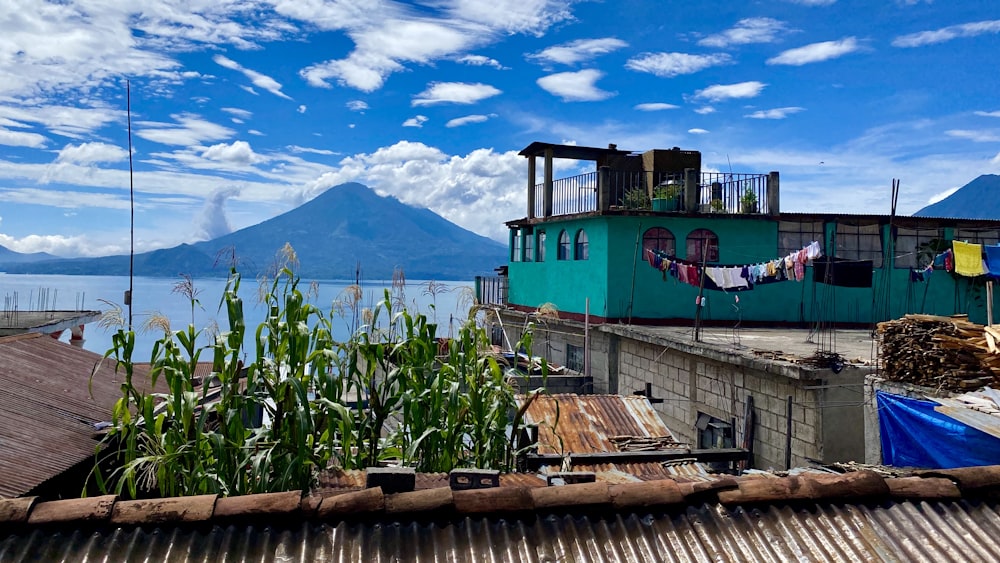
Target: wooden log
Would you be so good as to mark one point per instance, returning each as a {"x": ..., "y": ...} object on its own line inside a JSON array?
[
  {"x": 354, "y": 502},
  {"x": 645, "y": 493},
  {"x": 252, "y": 505},
  {"x": 571, "y": 495},
  {"x": 855, "y": 485},
  {"x": 90, "y": 509},
  {"x": 419, "y": 501},
  {"x": 156, "y": 511},
  {"x": 16, "y": 510},
  {"x": 922, "y": 488},
  {"x": 502, "y": 499}
]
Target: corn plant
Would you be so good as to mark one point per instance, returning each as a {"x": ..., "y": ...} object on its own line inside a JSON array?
[{"x": 303, "y": 401}]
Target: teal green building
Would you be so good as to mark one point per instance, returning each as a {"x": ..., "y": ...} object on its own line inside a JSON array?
[{"x": 585, "y": 242}]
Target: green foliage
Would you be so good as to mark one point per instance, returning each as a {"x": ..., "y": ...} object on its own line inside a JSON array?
[
  {"x": 393, "y": 391},
  {"x": 748, "y": 201},
  {"x": 635, "y": 198},
  {"x": 667, "y": 191}
]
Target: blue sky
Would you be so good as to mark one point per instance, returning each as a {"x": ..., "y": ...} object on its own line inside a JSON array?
[{"x": 243, "y": 109}]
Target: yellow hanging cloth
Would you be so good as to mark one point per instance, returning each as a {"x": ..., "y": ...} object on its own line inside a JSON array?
[{"x": 968, "y": 259}]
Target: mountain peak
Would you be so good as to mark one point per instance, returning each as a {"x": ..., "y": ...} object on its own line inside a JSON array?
[{"x": 976, "y": 200}]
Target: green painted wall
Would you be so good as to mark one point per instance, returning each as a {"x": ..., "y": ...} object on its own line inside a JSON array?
[
  {"x": 565, "y": 283},
  {"x": 621, "y": 284}
]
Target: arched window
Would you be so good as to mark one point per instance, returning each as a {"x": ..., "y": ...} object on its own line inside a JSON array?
[
  {"x": 658, "y": 238},
  {"x": 563, "y": 253},
  {"x": 696, "y": 243},
  {"x": 581, "y": 249},
  {"x": 540, "y": 253}
]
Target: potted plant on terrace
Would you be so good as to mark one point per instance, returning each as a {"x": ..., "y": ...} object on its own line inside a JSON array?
[
  {"x": 635, "y": 198},
  {"x": 666, "y": 196},
  {"x": 748, "y": 201}
]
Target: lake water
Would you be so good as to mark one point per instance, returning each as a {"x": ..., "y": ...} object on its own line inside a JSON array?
[{"x": 156, "y": 296}]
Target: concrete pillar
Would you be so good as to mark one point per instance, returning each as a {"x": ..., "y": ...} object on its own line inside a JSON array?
[
  {"x": 531, "y": 187},
  {"x": 547, "y": 188},
  {"x": 604, "y": 188},
  {"x": 773, "y": 194},
  {"x": 691, "y": 189}
]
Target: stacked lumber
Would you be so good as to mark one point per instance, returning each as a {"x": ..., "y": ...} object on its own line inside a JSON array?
[
  {"x": 647, "y": 443},
  {"x": 942, "y": 352}
]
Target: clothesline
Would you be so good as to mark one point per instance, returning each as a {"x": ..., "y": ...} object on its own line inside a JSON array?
[{"x": 737, "y": 277}]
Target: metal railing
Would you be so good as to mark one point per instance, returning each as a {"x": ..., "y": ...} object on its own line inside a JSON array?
[
  {"x": 718, "y": 192},
  {"x": 732, "y": 193},
  {"x": 491, "y": 290}
]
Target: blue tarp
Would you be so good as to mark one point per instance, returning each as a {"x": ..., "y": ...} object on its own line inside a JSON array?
[{"x": 914, "y": 435}]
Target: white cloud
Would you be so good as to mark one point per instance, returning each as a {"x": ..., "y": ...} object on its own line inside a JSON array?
[
  {"x": 942, "y": 195},
  {"x": 578, "y": 51},
  {"x": 21, "y": 139},
  {"x": 511, "y": 16},
  {"x": 64, "y": 199},
  {"x": 213, "y": 223},
  {"x": 249, "y": 89},
  {"x": 812, "y": 2},
  {"x": 719, "y": 92},
  {"x": 237, "y": 112},
  {"x": 239, "y": 152},
  {"x": 415, "y": 121},
  {"x": 301, "y": 108},
  {"x": 746, "y": 31},
  {"x": 471, "y": 190},
  {"x": 460, "y": 121},
  {"x": 188, "y": 130},
  {"x": 816, "y": 52},
  {"x": 948, "y": 33},
  {"x": 357, "y": 105},
  {"x": 59, "y": 245},
  {"x": 776, "y": 113},
  {"x": 298, "y": 149},
  {"x": 257, "y": 79},
  {"x": 480, "y": 60},
  {"x": 974, "y": 136},
  {"x": 704, "y": 110},
  {"x": 454, "y": 93},
  {"x": 255, "y": 132},
  {"x": 697, "y": 131},
  {"x": 579, "y": 86},
  {"x": 988, "y": 113},
  {"x": 68, "y": 121},
  {"x": 668, "y": 65},
  {"x": 91, "y": 153},
  {"x": 655, "y": 106}
]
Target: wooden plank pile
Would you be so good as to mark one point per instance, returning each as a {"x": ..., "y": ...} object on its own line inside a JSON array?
[{"x": 942, "y": 352}]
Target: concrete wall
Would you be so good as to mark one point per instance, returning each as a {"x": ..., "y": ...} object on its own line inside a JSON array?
[{"x": 827, "y": 414}]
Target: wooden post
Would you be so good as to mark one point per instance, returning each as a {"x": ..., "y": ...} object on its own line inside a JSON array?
[
  {"x": 788, "y": 434},
  {"x": 773, "y": 194},
  {"x": 701, "y": 291},
  {"x": 547, "y": 188},
  {"x": 989, "y": 302},
  {"x": 531, "y": 187}
]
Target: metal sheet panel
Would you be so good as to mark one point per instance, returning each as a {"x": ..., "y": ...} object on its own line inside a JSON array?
[
  {"x": 938, "y": 532},
  {"x": 586, "y": 423},
  {"x": 48, "y": 406}
]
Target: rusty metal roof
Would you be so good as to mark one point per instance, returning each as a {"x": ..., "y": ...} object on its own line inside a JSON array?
[
  {"x": 907, "y": 531},
  {"x": 47, "y": 412},
  {"x": 570, "y": 423},
  {"x": 942, "y": 515}
]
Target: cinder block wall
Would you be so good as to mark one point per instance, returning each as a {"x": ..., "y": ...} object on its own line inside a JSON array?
[{"x": 694, "y": 378}]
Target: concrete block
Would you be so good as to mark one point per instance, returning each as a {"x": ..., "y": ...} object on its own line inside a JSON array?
[
  {"x": 468, "y": 479},
  {"x": 391, "y": 479}
]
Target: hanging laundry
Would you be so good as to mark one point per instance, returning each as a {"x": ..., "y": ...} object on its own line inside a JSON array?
[
  {"x": 968, "y": 259},
  {"x": 843, "y": 273},
  {"x": 993, "y": 260}
]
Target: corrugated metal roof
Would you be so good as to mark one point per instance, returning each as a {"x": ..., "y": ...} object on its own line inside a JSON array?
[
  {"x": 570, "y": 423},
  {"x": 907, "y": 531},
  {"x": 46, "y": 409}
]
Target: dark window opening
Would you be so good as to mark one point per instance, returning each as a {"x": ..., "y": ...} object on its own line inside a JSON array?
[
  {"x": 658, "y": 238},
  {"x": 702, "y": 243},
  {"x": 581, "y": 250}
]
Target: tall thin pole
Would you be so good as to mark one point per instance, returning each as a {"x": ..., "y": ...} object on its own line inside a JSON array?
[
  {"x": 131, "y": 204},
  {"x": 698, "y": 303}
]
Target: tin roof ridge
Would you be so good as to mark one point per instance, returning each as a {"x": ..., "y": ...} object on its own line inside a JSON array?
[{"x": 855, "y": 486}]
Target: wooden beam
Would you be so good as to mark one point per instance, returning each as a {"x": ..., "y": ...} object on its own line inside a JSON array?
[{"x": 534, "y": 461}]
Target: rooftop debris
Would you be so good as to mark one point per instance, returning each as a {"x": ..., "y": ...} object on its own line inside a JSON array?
[{"x": 948, "y": 353}]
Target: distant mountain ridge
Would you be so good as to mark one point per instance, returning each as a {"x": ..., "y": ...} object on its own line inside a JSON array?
[
  {"x": 9, "y": 256},
  {"x": 344, "y": 227},
  {"x": 979, "y": 199}
]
